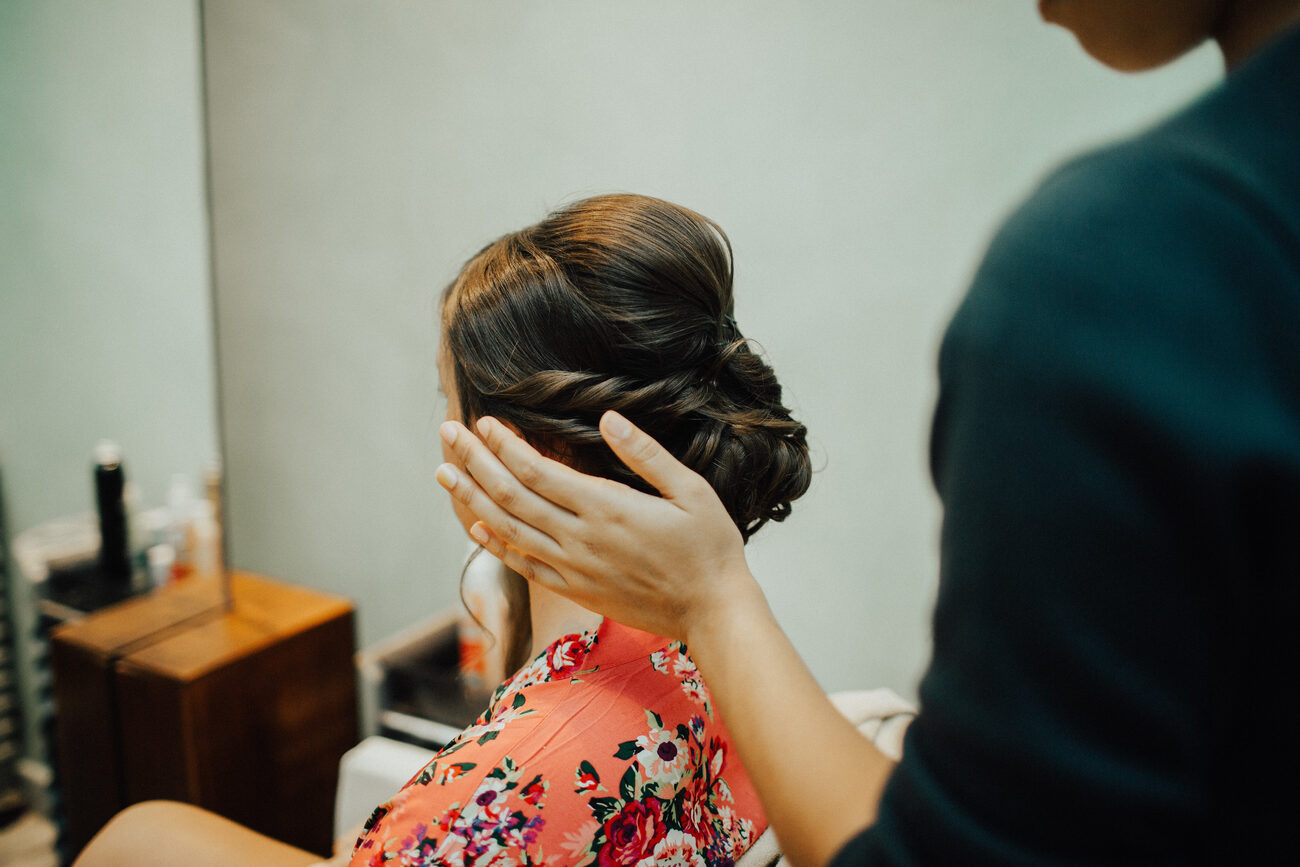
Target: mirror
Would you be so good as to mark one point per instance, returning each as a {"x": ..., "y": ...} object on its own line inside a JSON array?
[{"x": 105, "y": 310}]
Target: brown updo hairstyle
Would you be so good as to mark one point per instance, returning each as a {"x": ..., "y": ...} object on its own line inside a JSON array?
[{"x": 624, "y": 302}]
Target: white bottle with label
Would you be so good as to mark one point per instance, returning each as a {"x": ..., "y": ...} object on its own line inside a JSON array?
[{"x": 180, "y": 533}]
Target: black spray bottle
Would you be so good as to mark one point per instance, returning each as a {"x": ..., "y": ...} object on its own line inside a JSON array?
[{"x": 110, "y": 483}]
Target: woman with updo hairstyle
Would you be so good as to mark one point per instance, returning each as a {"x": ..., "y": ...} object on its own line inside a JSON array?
[{"x": 603, "y": 747}]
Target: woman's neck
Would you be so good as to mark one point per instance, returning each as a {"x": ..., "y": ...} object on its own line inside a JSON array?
[{"x": 553, "y": 616}]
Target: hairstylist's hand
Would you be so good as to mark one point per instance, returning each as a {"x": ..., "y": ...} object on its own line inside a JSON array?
[{"x": 658, "y": 564}]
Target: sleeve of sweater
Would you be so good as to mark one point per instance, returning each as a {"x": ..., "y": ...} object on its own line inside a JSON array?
[{"x": 1115, "y": 446}]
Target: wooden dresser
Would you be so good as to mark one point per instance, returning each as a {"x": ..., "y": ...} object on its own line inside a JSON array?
[{"x": 244, "y": 712}]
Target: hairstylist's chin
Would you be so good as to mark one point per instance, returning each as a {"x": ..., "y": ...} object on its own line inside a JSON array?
[{"x": 1134, "y": 36}]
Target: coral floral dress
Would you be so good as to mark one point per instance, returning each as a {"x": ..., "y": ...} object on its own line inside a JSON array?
[{"x": 603, "y": 750}]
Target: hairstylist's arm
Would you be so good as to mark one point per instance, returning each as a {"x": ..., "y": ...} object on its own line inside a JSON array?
[{"x": 675, "y": 565}]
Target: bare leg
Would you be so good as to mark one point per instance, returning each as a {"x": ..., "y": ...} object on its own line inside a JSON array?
[{"x": 168, "y": 833}]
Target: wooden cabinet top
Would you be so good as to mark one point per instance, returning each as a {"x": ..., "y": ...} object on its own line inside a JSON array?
[{"x": 183, "y": 631}]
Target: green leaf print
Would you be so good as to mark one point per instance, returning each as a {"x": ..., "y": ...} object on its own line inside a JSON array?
[
  {"x": 603, "y": 808},
  {"x": 627, "y": 785}
]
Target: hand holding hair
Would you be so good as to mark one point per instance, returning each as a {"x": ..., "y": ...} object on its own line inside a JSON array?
[
  {"x": 663, "y": 564},
  {"x": 675, "y": 565}
]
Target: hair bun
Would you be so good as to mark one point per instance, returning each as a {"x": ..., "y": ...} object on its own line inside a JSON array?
[
  {"x": 624, "y": 302},
  {"x": 755, "y": 455}
]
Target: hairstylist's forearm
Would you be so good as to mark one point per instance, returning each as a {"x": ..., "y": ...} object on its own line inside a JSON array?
[{"x": 819, "y": 778}]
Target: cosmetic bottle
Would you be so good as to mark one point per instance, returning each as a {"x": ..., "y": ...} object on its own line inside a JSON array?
[
  {"x": 110, "y": 486},
  {"x": 180, "y": 531},
  {"x": 205, "y": 556},
  {"x": 216, "y": 533},
  {"x": 160, "y": 558}
]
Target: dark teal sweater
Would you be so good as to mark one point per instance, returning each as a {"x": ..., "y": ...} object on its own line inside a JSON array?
[{"x": 1117, "y": 448}]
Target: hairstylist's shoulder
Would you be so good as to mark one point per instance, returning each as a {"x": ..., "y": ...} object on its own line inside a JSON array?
[
  {"x": 1209, "y": 194},
  {"x": 1063, "y": 244},
  {"x": 1154, "y": 228},
  {"x": 1085, "y": 219}
]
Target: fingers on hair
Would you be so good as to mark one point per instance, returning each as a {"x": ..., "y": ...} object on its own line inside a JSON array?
[{"x": 727, "y": 424}]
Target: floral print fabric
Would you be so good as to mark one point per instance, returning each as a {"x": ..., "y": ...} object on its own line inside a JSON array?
[{"x": 605, "y": 750}]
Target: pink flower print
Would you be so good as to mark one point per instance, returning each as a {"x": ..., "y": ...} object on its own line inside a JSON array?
[
  {"x": 490, "y": 800},
  {"x": 490, "y": 852},
  {"x": 696, "y": 689},
  {"x": 663, "y": 758},
  {"x": 675, "y": 663},
  {"x": 498, "y": 856},
  {"x": 537, "y": 671},
  {"x": 577, "y": 841},
  {"x": 411, "y": 857},
  {"x": 669, "y": 660},
  {"x": 676, "y": 849},
  {"x": 447, "y": 773},
  {"x": 737, "y": 832},
  {"x": 586, "y": 781},
  {"x": 718, "y": 761},
  {"x": 518, "y": 834},
  {"x": 534, "y": 792},
  {"x": 695, "y": 818},
  {"x": 673, "y": 660},
  {"x": 566, "y": 655},
  {"x": 451, "y": 852},
  {"x": 486, "y": 806},
  {"x": 632, "y": 833},
  {"x": 447, "y": 819}
]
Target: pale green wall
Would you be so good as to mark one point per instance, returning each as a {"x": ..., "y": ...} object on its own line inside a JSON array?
[
  {"x": 105, "y": 327},
  {"x": 858, "y": 153},
  {"x": 105, "y": 312}
]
